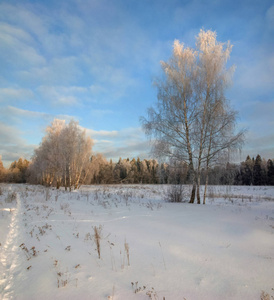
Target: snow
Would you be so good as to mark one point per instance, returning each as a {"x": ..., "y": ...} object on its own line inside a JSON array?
[{"x": 149, "y": 249}]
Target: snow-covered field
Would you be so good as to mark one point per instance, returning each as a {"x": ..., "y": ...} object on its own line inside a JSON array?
[{"x": 145, "y": 248}]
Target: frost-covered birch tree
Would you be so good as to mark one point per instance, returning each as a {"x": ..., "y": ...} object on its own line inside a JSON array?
[
  {"x": 192, "y": 120},
  {"x": 63, "y": 157}
]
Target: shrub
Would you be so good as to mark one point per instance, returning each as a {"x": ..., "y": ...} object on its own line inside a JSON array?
[{"x": 176, "y": 193}]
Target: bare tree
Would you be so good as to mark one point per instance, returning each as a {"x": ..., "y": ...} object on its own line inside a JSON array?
[
  {"x": 46, "y": 166},
  {"x": 216, "y": 120},
  {"x": 63, "y": 157},
  {"x": 171, "y": 122},
  {"x": 192, "y": 120}
]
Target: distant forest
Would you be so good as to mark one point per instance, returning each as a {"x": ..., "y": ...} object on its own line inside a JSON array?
[{"x": 252, "y": 171}]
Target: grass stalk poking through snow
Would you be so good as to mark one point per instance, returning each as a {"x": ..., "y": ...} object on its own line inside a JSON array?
[
  {"x": 162, "y": 255},
  {"x": 97, "y": 238},
  {"x": 127, "y": 252}
]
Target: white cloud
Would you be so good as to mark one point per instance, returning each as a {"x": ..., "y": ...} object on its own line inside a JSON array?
[
  {"x": 36, "y": 20},
  {"x": 12, "y": 146},
  {"x": 17, "y": 115},
  {"x": 127, "y": 142},
  {"x": 25, "y": 133},
  {"x": 14, "y": 112},
  {"x": 69, "y": 95},
  {"x": 110, "y": 82},
  {"x": 58, "y": 71},
  {"x": 97, "y": 89},
  {"x": 68, "y": 100},
  {"x": 126, "y": 135},
  {"x": 138, "y": 149},
  {"x": 102, "y": 142},
  {"x": 18, "y": 48},
  {"x": 17, "y": 94},
  {"x": 101, "y": 133},
  {"x": 9, "y": 33},
  {"x": 101, "y": 112}
]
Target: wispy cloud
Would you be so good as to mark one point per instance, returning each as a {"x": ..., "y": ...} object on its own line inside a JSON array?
[
  {"x": 17, "y": 48},
  {"x": 138, "y": 149},
  {"x": 8, "y": 95},
  {"x": 100, "y": 133},
  {"x": 62, "y": 95},
  {"x": 101, "y": 112},
  {"x": 12, "y": 146},
  {"x": 128, "y": 142},
  {"x": 15, "y": 115},
  {"x": 15, "y": 142},
  {"x": 64, "y": 70}
]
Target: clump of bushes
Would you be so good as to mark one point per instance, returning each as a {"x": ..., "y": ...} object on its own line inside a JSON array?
[{"x": 176, "y": 193}]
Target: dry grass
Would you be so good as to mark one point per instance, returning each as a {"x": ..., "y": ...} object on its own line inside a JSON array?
[
  {"x": 151, "y": 293},
  {"x": 61, "y": 282},
  {"x": 266, "y": 296},
  {"x": 97, "y": 238},
  {"x": 127, "y": 252},
  {"x": 28, "y": 252}
]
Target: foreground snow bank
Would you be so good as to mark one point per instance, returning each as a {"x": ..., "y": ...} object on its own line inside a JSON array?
[{"x": 148, "y": 249}]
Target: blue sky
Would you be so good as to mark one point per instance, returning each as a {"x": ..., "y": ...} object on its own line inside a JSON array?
[{"x": 95, "y": 60}]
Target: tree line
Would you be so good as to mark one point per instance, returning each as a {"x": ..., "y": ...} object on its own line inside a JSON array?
[
  {"x": 17, "y": 172},
  {"x": 252, "y": 171}
]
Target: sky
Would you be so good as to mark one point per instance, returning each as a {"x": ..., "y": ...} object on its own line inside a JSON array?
[{"x": 95, "y": 61}]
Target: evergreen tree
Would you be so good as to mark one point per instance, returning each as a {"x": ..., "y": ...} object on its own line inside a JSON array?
[
  {"x": 138, "y": 163},
  {"x": 154, "y": 172},
  {"x": 134, "y": 176},
  {"x": 257, "y": 171},
  {"x": 270, "y": 172},
  {"x": 247, "y": 171}
]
